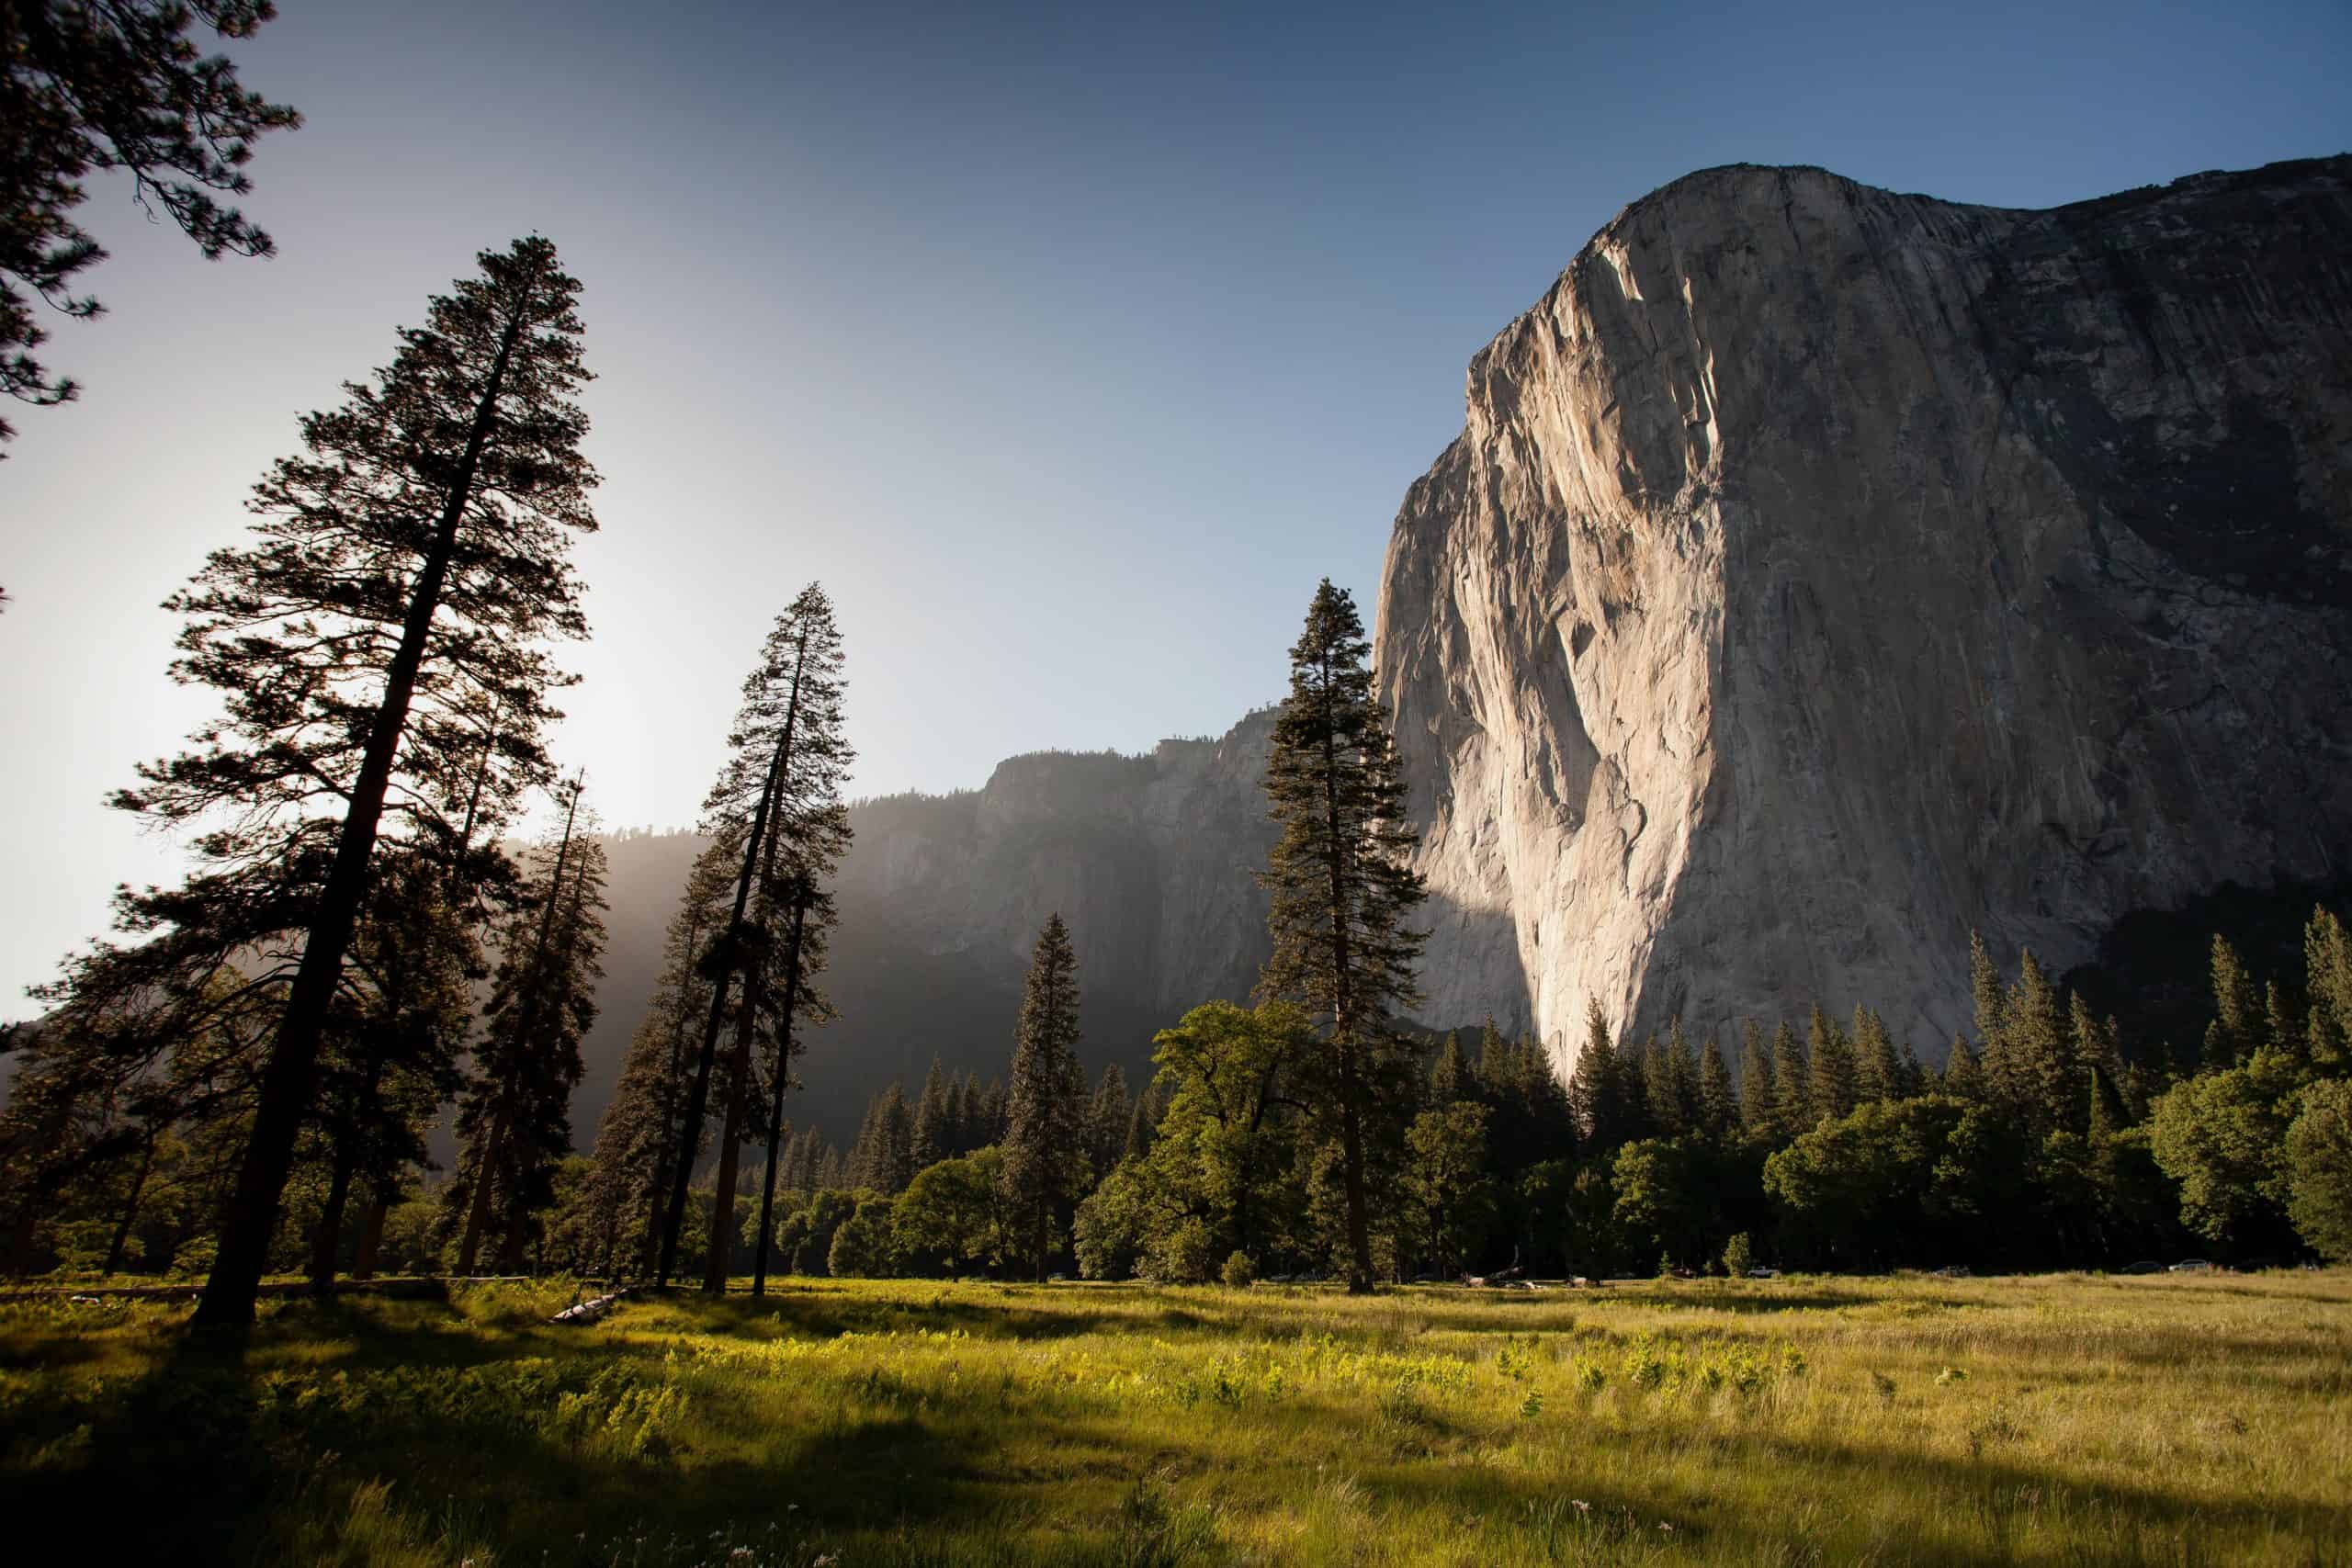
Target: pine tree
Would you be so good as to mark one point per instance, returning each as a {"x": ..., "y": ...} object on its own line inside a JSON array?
[
  {"x": 1497, "y": 1073},
  {"x": 1718, "y": 1107},
  {"x": 933, "y": 1135},
  {"x": 1792, "y": 1085},
  {"x": 1878, "y": 1069},
  {"x": 1963, "y": 1077},
  {"x": 1451, "y": 1075},
  {"x": 1836, "y": 1075},
  {"x": 2043, "y": 1088},
  {"x": 638, "y": 1138},
  {"x": 2327, "y": 983},
  {"x": 1985, "y": 983},
  {"x": 516, "y": 1119},
  {"x": 1593, "y": 1095},
  {"x": 1042, "y": 1139},
  {"x": 1106, "y": 1120},
  {"x": 1341, "y": 890},
  {"x": 388, "y": 1061},
  {"x": 777, "y": 795},
  {"x": 785, "y": 982},
  {"x": 1760, "y": 1112},
  {"x": 114, "y": 85},
  {"x": 1663, "y": 1105},
  {"x": 2236, "y": 1029},
  {"x": 408, "y": 567}
]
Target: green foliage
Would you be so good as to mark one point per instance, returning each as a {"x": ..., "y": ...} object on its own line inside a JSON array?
[
  {"x": 114, "y": 86},
  {"x": 1448, "y": 1182},
  {"x": 1341, "y": 892},
  {"x": 953, "y": 1216},
  {"x": 1044, "y": 1157},
  {"x": 865, "y": 1245},
  {"x": 2319, "y": 1169},
  {"x": 2219, "y": 1136}
]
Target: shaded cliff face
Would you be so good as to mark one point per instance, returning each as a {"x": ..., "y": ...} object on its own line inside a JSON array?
[
  {"x": 1822, "y": 572},
  {"x": 1150, "y": 860}
]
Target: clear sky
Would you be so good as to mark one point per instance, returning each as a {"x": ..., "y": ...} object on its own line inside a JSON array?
[{"x": 1069, "y": 346}]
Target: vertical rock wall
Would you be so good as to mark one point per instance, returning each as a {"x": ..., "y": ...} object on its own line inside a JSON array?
[{"x": 1822, "y": 572}]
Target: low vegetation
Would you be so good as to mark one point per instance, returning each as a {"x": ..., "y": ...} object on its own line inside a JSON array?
[{"x": 2076, "y": 1419}]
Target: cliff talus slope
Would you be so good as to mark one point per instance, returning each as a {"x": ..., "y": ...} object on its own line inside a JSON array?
[{"x": 1822, "y": 572}]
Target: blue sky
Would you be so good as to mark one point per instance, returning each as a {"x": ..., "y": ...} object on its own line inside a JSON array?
[{"x": 1068, "y": 344}]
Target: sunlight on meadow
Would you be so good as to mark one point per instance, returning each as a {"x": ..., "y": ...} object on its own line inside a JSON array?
[{"x": 2066, "y": 1420}]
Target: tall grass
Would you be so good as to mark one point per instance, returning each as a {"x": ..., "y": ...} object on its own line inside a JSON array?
[{"x": 2057, "y": 1420}]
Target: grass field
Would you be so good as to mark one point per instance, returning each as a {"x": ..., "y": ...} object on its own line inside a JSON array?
[{"x": 2064, "y": 1420}]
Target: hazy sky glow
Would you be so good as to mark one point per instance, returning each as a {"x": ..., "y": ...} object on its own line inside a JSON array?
[{"x": 1067, "y": 347}]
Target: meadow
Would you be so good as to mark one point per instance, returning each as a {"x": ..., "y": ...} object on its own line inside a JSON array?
[{"x": 2066, "y": 1420}]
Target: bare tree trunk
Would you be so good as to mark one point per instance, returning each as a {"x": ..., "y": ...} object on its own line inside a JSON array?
[
  {"x": 1343, "y": 1021},
  {"x": 130, "y": 1207},
  {"x": 251, "y": 1214},
  {"x": 372, "y": 1234},
  {"x": 775, "y": 1108},
  {"x": 327, "y": 1239}
]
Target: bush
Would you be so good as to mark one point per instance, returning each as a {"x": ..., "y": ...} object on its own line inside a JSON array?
[
  {"x": 1240, "y": 1272},
  {"x": 1180, "y": 1255}
]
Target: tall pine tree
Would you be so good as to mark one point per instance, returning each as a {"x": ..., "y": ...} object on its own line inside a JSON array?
[
  {"x": 408, "y": 565},
  {"x": 1043, "y": 1156},
  {"x": 516, "y": 1119},
  {"x": 1342, "y": 893}
]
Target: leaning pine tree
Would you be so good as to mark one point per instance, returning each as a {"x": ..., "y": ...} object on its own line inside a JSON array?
[
  {"x": 1342, "y": 893},
  {"x": 516, "y": 1118},
  {"x": 637, "y": 1139},
  {"x": 770, "y": 799},
  {"x": 409, "y": 562},
  {"x": 1044, "y": 1129}
]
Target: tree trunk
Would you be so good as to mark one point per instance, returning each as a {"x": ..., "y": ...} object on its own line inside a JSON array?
[
  {"x": 518, "y": 1238},
  {"x": 1343, "y": 1021},
  {"x": 327, "y": 1239},
  {"x": 372, "y": 1234},
  {"x": 251, "y": 1214},
  {"x": 720, "y": 1261},
  {"x": 698, "y": 1099},
  {"x": 478, "y": 1200},
  {"x": 131, "y": 1206},
  {"x": 775, "y": 1108}
]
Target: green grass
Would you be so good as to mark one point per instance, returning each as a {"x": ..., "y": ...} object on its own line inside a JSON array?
[{"x": 2059, "y": 1420}]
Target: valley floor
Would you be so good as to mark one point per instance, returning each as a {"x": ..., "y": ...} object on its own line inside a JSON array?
[{"x": 2072, "y": 1419}]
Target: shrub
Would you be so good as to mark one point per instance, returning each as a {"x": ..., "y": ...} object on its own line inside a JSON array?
[{"x": 1180, "y": 1255}]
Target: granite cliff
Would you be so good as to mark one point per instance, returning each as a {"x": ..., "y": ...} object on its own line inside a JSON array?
[
  {"x": 1149, "y": 858},
  {"x": 1822, "y": 572}
]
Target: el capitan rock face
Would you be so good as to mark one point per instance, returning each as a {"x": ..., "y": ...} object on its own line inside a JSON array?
[{"x": 1822, "y": 572}]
